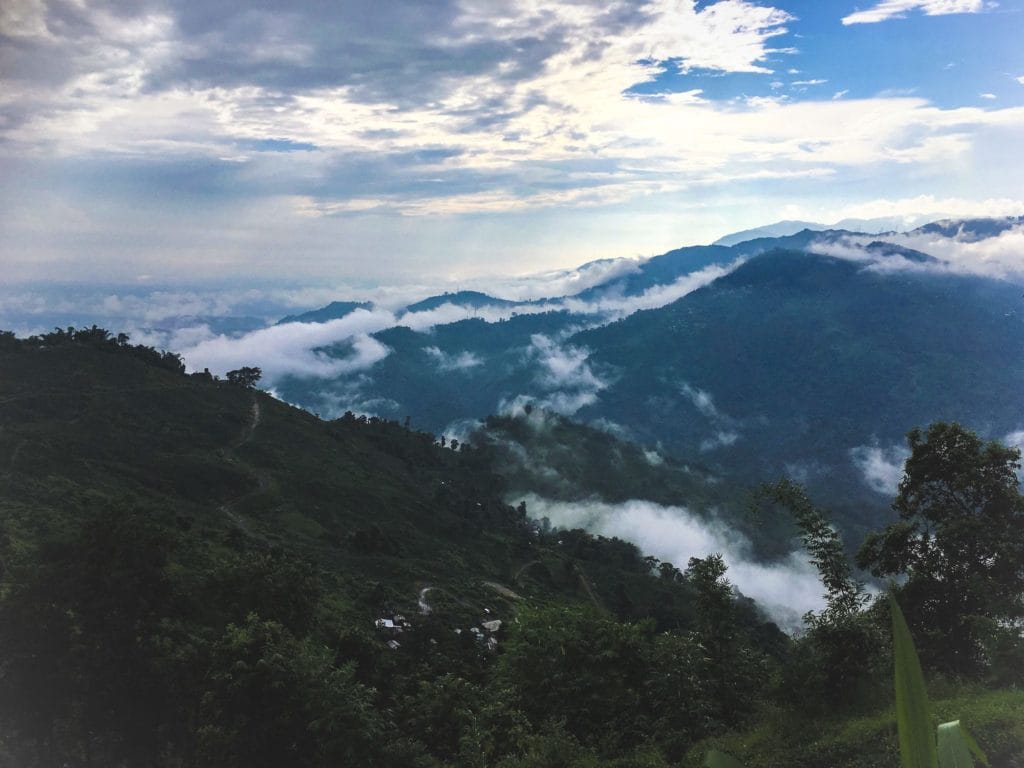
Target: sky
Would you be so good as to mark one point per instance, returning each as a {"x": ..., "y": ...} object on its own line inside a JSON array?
[{"x": 420, "y": 141}]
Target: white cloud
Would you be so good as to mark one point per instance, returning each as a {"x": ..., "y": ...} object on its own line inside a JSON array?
[
  {"x": 988, "y": 96},
  {"x": 997, "y": 257},
  {"x": 721, "y": 439},
  {"x": 652, "y": 298},
  {"x": 897, "y": 9},
  {"x": 808, "y": 82},
  {"x": 881, "y": 468},
  {"x": 453, "y": 362},
  {"x": 702, "y": 401},
  {"x": 348, "y": 395},
  {"x": 569, "y": 108},
  {"x": 563, "y": 366},
  {"x": 562, "y": 282},
  {"x": 913, "y": 209},
  {"x": 564, "y": 380},
  {"x": 291, "y": 349},
  {"x": 1020, "y": 79},
  {"x": 653, "y": 458},
  {"x": 786, "y": 589}
]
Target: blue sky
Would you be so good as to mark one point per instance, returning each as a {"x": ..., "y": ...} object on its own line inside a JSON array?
[{"x": 146, "y": 142}]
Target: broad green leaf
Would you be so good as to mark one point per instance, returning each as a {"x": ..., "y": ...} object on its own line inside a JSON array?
[
  {"x": 716, "y": 759},
  {"x": 913, "y": 717},
  {"x": 953, "y": 751},
  {"x": 956, "y": 745}
]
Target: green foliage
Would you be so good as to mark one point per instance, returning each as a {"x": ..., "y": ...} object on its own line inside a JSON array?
[
  {"x": 913, "y": 716},
  {"x": 960, "y": 543},
  {"x": 836, "y": 660},
  {"x": 717, "y": 759},
  {"x": 583, "y": 668},
  {"x": 246, "y": 376},
  {"x": 274, "y": 700},
  {"x": 952, "y": 745},
  {"x": 956, "y": 747},
  {"x": 181, "y": 585}
]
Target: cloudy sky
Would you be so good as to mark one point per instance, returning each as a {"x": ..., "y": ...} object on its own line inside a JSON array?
[{"x": 397, "y": 140}]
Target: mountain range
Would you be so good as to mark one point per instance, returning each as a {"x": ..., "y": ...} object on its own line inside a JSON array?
[
  {"x": 555, "y": 560},
  {"x": 809, "y": 355}
]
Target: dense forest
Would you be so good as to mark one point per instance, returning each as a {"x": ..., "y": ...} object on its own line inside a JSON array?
[{"x": 193, "y": 573}]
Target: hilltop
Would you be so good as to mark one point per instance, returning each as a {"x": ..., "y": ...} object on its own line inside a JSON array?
[{"x": 159, "y": 527}]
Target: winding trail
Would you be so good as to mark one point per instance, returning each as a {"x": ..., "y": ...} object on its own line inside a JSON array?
[
  {"x": 421, "y": 601},
  {"x": 586, "y": 587},
  {"x": 255, "y": 415},
  {"x": 262, "y": 479},
  {"x": 426, "y": 608}
]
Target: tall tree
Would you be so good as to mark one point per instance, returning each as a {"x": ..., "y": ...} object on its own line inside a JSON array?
[
  {"x": 835, "y": 657},
  {"x": 959, "y": 542},
  {"x": 246, "y": 376}
]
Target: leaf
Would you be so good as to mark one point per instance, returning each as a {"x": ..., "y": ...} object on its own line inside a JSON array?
[
  {"x": 716, "y": 759},
  {"x": 953, "y": 751},
  {"x": 913, "y": 718},
  {"x": 956, "y": 745}
]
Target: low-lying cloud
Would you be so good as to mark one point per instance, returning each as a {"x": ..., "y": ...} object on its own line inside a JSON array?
[
  {"x": 296, "y": 349},
  {"x": 721, "y": 439},
  {"x": 652, "y": 298},
  {"x": 453, "y": 362},
  {"x": 564, "y": 375},
  {"x": 701, "y": 400},
  {"x": 881, "y": 468},
  {"x": 965, "y": 253},
  {"x": 785, "y": 589}
]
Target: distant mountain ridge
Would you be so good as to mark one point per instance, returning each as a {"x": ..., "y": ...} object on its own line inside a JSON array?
[
  {"x": 873, "y": 226},
  {"x": 333, "y": 311},
  {"x": 785, "y": 360}
]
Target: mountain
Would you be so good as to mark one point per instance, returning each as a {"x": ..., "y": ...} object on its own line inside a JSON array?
[
  {"x": 196, "y": 573},
  {"x": 793, "y": 362},
  {"x": 778, "y": 229},
  {"x": 660, "y": 270},
  {"x": 472, "y": 299},
  {"x": 193, "y": 572},
  {"x": 799, "y": 363},
  {"x": 333, "y": 311},
  {"x": 970, "y": 230},
  {"x": 782, "y": 228},
  {"x": 452, "y": 372}
]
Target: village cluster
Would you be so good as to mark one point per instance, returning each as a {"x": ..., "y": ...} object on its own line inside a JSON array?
[{"x": 397, "y": 624}]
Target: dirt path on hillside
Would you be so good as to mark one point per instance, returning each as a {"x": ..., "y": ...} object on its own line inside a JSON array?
[
  {"x": 586, "y": 587},
  {"x": 229, "y": 507},
  {"x": 255, "y": 415}
]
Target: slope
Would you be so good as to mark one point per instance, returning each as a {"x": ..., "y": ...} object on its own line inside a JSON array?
[
  {"x": 794, "y": 360},
  {"x": 194, "y": 572}
]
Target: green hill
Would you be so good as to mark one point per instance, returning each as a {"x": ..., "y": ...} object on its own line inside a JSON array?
[{"x": 194, "y": 571}]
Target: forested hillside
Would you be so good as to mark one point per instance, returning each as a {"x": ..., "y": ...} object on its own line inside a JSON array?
[{"x": 194, "y": 573}]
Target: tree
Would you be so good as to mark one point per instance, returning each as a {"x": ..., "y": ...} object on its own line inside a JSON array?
[
  {"x": 835, "y": 656},
  {"x": 960, "y": 544},
  {"x": 273, "y": 699},
  {"x": 734, "y": 669},
  {"x": 246, "y": 376},
  {"x": 582, "y": 668}
]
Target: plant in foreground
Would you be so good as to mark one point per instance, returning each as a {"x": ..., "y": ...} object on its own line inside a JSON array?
[{"x": 951, "y": 746}]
